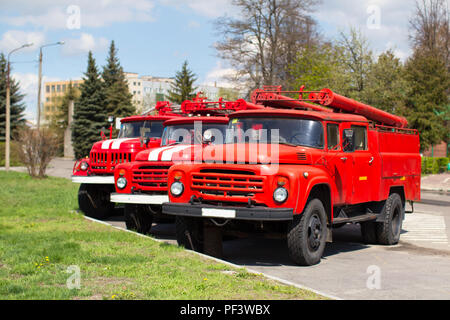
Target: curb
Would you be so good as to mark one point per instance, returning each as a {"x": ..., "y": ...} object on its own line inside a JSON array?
[{"x": 286, "y": 282}]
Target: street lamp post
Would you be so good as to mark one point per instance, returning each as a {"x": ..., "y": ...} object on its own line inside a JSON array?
[
  {"x": 40, "y": 80},
  {"x": 8, "y": 106}
]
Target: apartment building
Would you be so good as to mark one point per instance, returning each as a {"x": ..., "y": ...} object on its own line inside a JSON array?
[{"x": 52, "y": 92}]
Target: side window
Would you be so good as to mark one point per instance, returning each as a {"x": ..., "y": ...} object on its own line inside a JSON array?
[
  {"x": 360, "y": 138},
  {"x": 333, "y": 136}
]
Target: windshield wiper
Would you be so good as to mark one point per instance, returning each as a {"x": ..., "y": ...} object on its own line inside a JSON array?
[{"x": 288, "y": 144}]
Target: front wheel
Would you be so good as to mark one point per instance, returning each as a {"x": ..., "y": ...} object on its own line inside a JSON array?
[
  {"x": 307, "y": 234},
  {"x": 94, "y": 200},
  {"x": 138, "y": 218}
]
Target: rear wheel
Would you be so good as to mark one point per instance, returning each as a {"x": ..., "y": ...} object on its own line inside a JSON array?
[
  {"x": 307, "y": 234},
  {"x": 189, "y": 232},
  {"x": 94, "y": 200},
  {"x": 138, "y": 218},
  {"x": 388, "y": 231}
]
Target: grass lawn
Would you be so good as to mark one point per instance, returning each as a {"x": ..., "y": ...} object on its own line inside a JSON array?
[{"x": 41, "y": 235}]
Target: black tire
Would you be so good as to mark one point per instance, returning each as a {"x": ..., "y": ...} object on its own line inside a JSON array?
[
  {"x": 189, "y": 232},
  {"x": 307, "y": 234},
  {"x": 138, "y": 218},
  {"x": 388, "y": 232},
  {"x": 369, "y": 232},
  {"x": 94, "y": 200}
]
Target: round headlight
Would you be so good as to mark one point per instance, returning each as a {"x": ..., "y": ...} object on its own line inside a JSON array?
[
  {"x": 176, "y": 188},
  {"x": 121, "y": 183},
  {"x": 280, "y": 195},
  {"x": 84, "y": 166}
]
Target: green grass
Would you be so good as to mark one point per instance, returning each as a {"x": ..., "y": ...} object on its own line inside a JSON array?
[
  {"x": 14, "y": 160},
  {"x": 41, "y": 235}
]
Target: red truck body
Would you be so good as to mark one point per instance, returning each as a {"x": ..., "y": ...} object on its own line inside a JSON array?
[{"x": 340, "y": 167}]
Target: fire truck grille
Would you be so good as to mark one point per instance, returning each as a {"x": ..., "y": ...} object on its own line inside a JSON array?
[
  {"x": 108, "y": 160},
  {"x": 150, "y": 177},
  {"x": 227, "y": 183}
]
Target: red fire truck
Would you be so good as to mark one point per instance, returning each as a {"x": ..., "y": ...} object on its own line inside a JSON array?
[
  {"x": 142, "y": 184},
  {"x": 96, "y": 172},
  {"x": 330, "y": 160}
]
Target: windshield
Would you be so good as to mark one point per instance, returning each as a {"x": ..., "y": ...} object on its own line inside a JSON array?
[
  {"x": 136, "y": 129},
  {"x": 193, "y": 133},
  {"x": 292, "y": 131}
]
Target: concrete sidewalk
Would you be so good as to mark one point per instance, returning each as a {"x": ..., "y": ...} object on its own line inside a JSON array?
[{"x": 436, "y": 182}]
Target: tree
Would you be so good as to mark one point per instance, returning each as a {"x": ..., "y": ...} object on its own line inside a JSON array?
[
  {"x": 118, "y": 99},
  {"x": 89, "y": 114},
  {"x": 17, "y": 106},
  {"x": 183, "y": 88},
  {"x": 264, "y": 41},
  {"x": 386, "y": 86},
  {"x": 427, "y": 99},
  {"x": 430, "y": 28},
  {"x": 317, "y": 67},
  {"x": 356, "y": 60}
]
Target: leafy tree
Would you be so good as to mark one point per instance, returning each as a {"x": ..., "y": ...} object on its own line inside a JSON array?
[
  {"x": 386, "y": 87},
  {"x": 118, "y": 99},
  {"x": 427, "y": 99},
  {"x": 317, "y": 67},
  {"x": 17, "y": 106},
  {"x": 89, "y": 114},
  {"x": 183, "y": 88}
]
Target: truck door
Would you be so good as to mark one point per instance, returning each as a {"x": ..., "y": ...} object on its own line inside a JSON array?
[
  {"x": 340, "y": 164},
  {"x": 362, "y": 159}
]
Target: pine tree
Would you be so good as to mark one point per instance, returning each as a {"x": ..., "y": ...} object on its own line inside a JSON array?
[
  {"x": 17, "y": 107},
  {"x": 183, "y": 88},
  {"x": 118, "y": 100},
  {"x": 89, "y": 114},
  {"x": 428, "y": 81}
]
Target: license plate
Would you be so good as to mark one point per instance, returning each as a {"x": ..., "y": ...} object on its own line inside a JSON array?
[{"x": 218, "y": 213}]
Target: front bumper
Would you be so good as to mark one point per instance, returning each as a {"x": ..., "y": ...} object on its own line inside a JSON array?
[
  {"x": 139, "y": 198},
  {"x": 237, "y": 213},
  {"x": 93, "y": 179}
]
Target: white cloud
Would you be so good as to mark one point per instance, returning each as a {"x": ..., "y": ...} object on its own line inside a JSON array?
[
  {"x": 208, "y": 8},
  {"x": 334, "y": 16},
  {"x": 55, "y": 15},
  {"x": 15, "y": 38},
  {"x": 86, "y": 42},
  {"x": 218, "y": 76}
]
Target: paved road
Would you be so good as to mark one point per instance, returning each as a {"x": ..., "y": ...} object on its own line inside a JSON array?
[{"x": 417, "y": 268}]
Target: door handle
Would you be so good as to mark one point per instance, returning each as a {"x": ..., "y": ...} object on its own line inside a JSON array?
[
  {"x": 371, "y": 160},
  {"x": 344, "y": 158}
]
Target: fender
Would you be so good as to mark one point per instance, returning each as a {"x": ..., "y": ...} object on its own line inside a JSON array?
[{"x": 316, "y": 176}]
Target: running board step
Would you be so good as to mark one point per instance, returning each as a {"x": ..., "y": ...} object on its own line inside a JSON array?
[{"x": 364, "y": 217}]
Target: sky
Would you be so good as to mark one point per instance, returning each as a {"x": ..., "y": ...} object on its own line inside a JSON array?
[{"x": 154, "y": 37}]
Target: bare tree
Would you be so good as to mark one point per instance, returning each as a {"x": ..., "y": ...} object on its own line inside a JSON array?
[
  {"x": 430, "y": 28},
  {"x": 264, "y": 40}
]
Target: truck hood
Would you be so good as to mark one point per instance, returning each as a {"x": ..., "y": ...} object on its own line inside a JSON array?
[
  {"x": 124, "y": 144},
  {"x": 168, "y": 153},
  {"x": 257, "y": 153}
]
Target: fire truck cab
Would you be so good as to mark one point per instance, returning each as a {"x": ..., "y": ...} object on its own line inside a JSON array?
[
  {"x": 299, "y": 173},
  {"x": 95, "y": 173}
]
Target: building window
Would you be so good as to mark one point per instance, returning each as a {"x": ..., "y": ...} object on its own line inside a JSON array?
[
  {"x": 47, "y": 88},
  {"x": 58, "y": 88},
  {"x": 64, "y": 88},
  {"x": 53, "y": 88}
]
